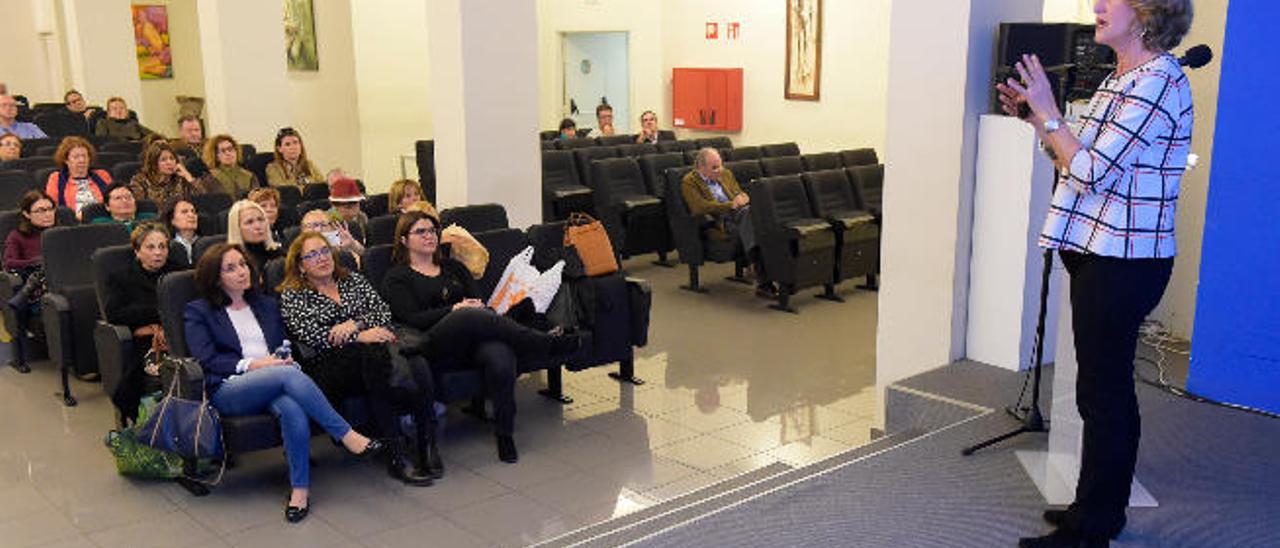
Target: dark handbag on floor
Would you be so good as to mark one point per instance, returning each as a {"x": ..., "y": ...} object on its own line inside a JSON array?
[
  {"x": 187, "y": 427},
  {"x": 640, "y": 303},
  {"x": 405, "y": 371}
]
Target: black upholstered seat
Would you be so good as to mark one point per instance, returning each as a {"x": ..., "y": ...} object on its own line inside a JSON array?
[
  {"x": 562, "y": 189},
  {"x": 774, "y": 166},
  {"x": 797, "y": 247},
  {"x": 779, "y": 149},
  {"x": 634, "y": 217},
  {"x": 819, "y": 161},
  {"x": 476, "y": 218},
  {"x": 859, "y": 157},
  {"x": 857, "y": 234}
]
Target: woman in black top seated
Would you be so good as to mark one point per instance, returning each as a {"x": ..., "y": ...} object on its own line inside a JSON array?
[
  {"x": 247, "y": 225},
  {"x": 438, "y": 296},
  {"x": 232, "y": 331},
  {"x": 338, "y": 314},
  {"x": 131, "y": 302},
  {"x": 180, "y": 218}
]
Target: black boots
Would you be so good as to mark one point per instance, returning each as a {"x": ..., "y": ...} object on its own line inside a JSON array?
[
  {"x": 400, "y": 467},
  {"x": 429, "y": 461},
  {"x": 507, "y": 449}
]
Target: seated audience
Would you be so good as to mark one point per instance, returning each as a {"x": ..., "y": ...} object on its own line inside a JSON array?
[
  {"x": 269, "y": 200},
  {"x": 291, "y": 166},
  {"x": 711, "y": 192},
  {"x": 233, "y": 330},
  {"x": 75, "y": 185},
  {"x": 222, "y": 155},
  {"x": 404, "y": 193},
  {"x": 131, "y": 302},
  {"x": 162, "y": 176},
  {"x": 9, "y": 120},
  {"x": 10, "y": 148},
  {"x": 23, "y": 257},
  {"x": 345, "y": 197},
  {"x": 180, "y": 218},
  {"x": 119, "y": 125},
  {"x": 604, "y": 119},
  {"x": 568, "y": 129},
  {"x": 190, "y": 141},
  {"x": 77, "y": 105},
  {"x": 21, "y": 100},
  {"x": 648, "y": 128},
  {"x": 437, "y": 295},
  {"x": 123, "y": 208},
  {"x": 338, "y": 314},
  {"x": 247, "y": 226},
  {"x": 333, "y": 229}
]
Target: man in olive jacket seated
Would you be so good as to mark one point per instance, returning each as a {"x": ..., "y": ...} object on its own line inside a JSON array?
[{"x": 711, "y": 192}]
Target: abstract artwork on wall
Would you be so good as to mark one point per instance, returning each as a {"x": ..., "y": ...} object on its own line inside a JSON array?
[
  {"x": 804, "y": 49},
  {"x": 300, "y": 35},
  {"x": 151, "y": 41}
]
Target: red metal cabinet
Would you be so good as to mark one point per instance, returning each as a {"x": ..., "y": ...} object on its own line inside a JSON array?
[{"x": 707, "y": 98}]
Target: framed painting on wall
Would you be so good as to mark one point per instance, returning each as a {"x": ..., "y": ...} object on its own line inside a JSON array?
[
  {"x": 300, "y": 35},
  {"x": 804, "y": 49},
  {"x": 151, "y": 42}
]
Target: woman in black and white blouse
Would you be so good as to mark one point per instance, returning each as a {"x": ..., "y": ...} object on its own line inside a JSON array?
[{"x": 338, "y": 314}]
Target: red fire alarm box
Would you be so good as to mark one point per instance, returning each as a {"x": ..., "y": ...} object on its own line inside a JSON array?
[{"x": 707, "y": 98}]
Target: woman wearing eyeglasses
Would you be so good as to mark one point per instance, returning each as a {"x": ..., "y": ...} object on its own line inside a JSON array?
[
  {"x": 339, "y": 315},
  {"x": 222, "y": 155},
  {"x": 291, "y": 166},
  {"x": 437, "y": 295},
  {"x": 23, "y": 256}
]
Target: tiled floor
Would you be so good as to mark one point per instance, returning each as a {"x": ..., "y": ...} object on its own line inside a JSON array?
[{"x": 732, "y": 386}]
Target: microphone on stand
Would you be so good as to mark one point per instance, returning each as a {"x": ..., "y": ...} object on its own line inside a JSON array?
[{"x": 1196, "y": 57}]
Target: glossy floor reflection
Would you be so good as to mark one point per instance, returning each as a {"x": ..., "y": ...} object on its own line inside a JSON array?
[{"x": 732, "y": 386}]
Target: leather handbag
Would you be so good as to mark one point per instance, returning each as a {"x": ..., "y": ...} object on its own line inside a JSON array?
[
  {"x": 588, "y": 236},
  {"x": 187, "y": 427}
]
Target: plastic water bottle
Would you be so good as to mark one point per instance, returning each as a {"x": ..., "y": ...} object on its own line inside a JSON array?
[{"x": 283, "y": 352}]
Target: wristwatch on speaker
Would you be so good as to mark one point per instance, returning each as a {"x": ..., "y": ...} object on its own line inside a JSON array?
[{"x": 1053, "y": 125}]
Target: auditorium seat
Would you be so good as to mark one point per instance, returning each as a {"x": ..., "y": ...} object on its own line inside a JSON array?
[
  {"x": 868, "y": 187},
  {"x": 583, "y": 158},
  {"x": 69, "y": 309},
  {"x": 308, "y": 205},
  {"x": 61, "y": 123},
  {"x": 133, "y": 148},
  {"x": 859, "y": 157},
  {"x": 691, "y": 157},
  {"x": 547, "y": 145},
  {"x": 375, "y": 205},
  {"x": 652, "y": 168},
  {"x": 424, "y": 154},
  {"x": 211, "y": 202},
  {"x": 634, "y": 217},
  {"x": 636, "y": 150},
  {"x": 615, "y": 140},
  {"x": 677, "y": 146},
  {"x": 124, "y": 171},
  {"x": 41, "y": 176},
  {"x": 29, "y": 146},
  {"x": 781, "y": 165},
  {"x": 47, "y": 150},
  {"x": 562, "y": 189},
  {"x": 797, "y": 247},
  {"x": 779, "y": 149},
  {"x": 857, "y": 235},
  {"x": 576, "y": 143},
  {"x": 257, "y": 164},
  {"x": 290, "y": 196},
  {"x": 382, "y": 230},
  {"x": 315, "y": 191},
  {"x": 476, "y": 218},
  {"x": 31, "y": 163},
  {"x": 113, "y": 342},
  {"x": 108, "y": 160},
  {"x": 819, "y": 161},
  {"x": 744, "y": 171},
  {"x": 715, "y": 142},
  {"x": 743, "y": 153},
  {"x": 204, "y": 243},
  {"x": 15, "y": 179},
  {"x": 666, "y": 135},
  {"x": 687, "y": 231}
]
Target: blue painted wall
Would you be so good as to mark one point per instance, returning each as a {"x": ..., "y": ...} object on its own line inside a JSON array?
[{"x": 1235, "y": 356}]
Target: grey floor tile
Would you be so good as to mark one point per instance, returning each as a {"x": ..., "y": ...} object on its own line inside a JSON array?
[
  {"x": 174, "y": 529},
  {"x": 432, "y": 532},
  {"x": 310, "y": 533},
  {"x": 524, "y": 520}
]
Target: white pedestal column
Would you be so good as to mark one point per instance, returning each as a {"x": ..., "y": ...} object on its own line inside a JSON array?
[
  {"x": 1011, "y": 196},
  {"x": 484, "y": 79},
  {"x": 242, "y": 45}
]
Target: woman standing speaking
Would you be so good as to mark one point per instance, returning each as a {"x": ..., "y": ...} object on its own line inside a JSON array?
[{"x": 1112, "y": 223}]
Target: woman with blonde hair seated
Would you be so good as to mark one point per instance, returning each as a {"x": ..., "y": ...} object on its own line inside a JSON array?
[
  {"x": 404, "y": 193},
  {"x": 247, "y": 226},
  {"x": 222, "y": 155}
]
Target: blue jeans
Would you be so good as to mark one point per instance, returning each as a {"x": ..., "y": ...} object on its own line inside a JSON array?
[{"x": 294, "y": 399}]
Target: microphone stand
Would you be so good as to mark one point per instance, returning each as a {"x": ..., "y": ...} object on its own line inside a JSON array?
[{"x": 1034, "y": 421}]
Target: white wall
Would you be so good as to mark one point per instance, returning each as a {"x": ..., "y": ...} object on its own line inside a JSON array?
[
  {"x": 25, "y": 68},
  {"x": 159, "y": 106},
  {"x": 324, "y": 104},
  {"x": 643, "y": 22},
  {"x": 100, "y": 49},
  {"x": 392, "y": 67},
  {"x": 854, "y": 72}
]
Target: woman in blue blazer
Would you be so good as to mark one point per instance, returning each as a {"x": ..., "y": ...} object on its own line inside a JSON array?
[{"x": 232, "y": 332}]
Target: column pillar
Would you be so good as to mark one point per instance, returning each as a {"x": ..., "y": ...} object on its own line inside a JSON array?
[
  {"x": 100, "y": 50},
  {"x": 484, "y": 101},
  {"x": 242, "y": 45}
]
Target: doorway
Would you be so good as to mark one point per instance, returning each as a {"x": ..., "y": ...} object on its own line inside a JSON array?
[{"x": 595, "y": 71}]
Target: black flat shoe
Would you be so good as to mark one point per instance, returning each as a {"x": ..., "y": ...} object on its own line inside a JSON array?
[
  {"x": 294, "y": 514},
  {"x": 1062, "y": 539},
  {"x": 507, "y": 450},
  {"x": 432, "y": 462}
]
